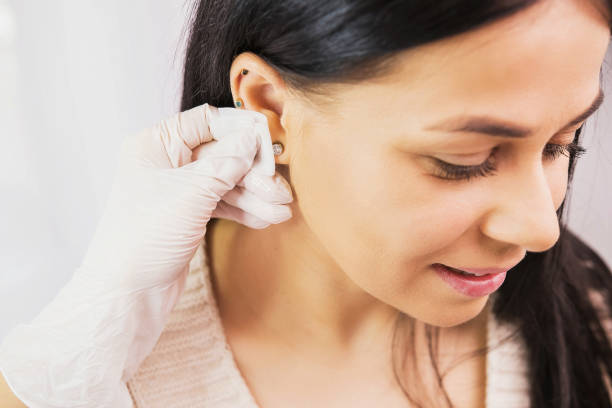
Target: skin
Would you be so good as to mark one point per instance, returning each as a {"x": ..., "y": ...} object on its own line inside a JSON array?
[
  {"x": 7, "y": 398},
  {"x": 312, "y": 301}
]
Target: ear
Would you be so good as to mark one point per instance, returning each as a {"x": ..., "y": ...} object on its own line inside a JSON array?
[{"x": 263, "y": 90}]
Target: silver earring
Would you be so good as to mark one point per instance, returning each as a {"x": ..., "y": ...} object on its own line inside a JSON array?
[{"x": 277, "y": 148}]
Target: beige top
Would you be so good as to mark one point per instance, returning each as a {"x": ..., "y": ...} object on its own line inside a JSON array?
[{"x": 192, "y": 364}]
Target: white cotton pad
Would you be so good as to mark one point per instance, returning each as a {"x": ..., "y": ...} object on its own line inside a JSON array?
[{"x": 223, "y": 122}]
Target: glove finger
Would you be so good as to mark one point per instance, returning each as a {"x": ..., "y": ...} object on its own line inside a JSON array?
[
  {"x": 222, "y": 163},
  {"x": 224, "y": 210},
  {"x": 275, "y": 189},
  {"x": 177, "y": 136},
  {"x": 248, "y": 202}
]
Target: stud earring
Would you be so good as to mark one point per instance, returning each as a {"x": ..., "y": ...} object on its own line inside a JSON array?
[
  {"x": 277, "y": 148},
  {"x": 238, "y": 102}
]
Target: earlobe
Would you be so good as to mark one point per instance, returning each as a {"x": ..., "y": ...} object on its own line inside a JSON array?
[{"x": 277, "y": 133}]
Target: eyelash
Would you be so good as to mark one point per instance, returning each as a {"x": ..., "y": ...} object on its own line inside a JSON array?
[{"x": 453, "y": 172}]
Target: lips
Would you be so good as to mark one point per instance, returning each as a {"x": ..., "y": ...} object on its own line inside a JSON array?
[{"x": 469, "y": 285}]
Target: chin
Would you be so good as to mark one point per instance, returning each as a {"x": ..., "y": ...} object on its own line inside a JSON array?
[{"x": 455, "y": 315}]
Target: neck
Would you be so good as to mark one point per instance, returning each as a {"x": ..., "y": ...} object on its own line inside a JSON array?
[{"x": 280, "y": 285}]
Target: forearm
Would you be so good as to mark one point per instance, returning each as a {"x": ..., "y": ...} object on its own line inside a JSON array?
[{"x": 83, "y": 347}]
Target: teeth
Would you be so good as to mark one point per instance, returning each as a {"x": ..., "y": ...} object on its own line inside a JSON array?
[
  {"x": 467, "y": 273},
  {"x": 462, "y": 272}
]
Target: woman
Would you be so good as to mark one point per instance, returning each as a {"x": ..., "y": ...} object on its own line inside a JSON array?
[
  {"x": 417, "y": 137},
  {"x": 321, "y": 291}
]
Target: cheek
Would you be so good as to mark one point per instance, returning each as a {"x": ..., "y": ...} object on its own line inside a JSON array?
[
  {"x": 375, "y": 213},
  {"x": 337, "y": 188},
  {"x": 556, "y": 174},
  {"x": 343, "y": 198}
]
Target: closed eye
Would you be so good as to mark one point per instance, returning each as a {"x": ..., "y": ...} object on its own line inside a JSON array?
[{"x": 454, "y": 172}]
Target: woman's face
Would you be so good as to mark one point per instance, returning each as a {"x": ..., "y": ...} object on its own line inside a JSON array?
[{"x": 364, "y": 171}]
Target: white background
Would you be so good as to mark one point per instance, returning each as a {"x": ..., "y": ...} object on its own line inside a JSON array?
[{"x": 75, "y": 78}]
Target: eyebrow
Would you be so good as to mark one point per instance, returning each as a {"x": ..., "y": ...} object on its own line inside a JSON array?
[{"x": 501, "y": 128}]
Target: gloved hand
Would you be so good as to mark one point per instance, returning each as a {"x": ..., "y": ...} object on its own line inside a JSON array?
[{"x": 171, "y": 179}]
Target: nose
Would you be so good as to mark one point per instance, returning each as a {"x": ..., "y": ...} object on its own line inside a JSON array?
[{"x": 523, "y": 211}]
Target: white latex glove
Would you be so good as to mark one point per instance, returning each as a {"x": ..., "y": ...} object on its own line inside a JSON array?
[{"x": 90, "y": 340}]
